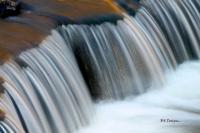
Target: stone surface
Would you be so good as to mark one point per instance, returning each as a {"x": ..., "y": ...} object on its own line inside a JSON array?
[{"x": 38, "y": 17}]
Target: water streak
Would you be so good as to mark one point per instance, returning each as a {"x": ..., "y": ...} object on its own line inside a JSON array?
[{"x": 45, "y": 89}]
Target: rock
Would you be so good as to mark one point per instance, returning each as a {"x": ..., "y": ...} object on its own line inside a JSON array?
[
  {"x": 131, "y": 6},
  {"x": 9, "y": 8}
]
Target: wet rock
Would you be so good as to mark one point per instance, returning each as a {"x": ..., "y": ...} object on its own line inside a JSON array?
[
  {"x": 9, "y": 8},
  {"x": 131, "y": 6}
]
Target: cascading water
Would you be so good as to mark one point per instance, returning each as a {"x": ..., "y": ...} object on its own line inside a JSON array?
[
  {"x": 179, "y": 21},
  {"x": 45, "y": 90},
  {"x": 123, "y": 58}
]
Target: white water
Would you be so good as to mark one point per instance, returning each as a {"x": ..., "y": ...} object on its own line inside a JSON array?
[{"x": 178, "y": 100}]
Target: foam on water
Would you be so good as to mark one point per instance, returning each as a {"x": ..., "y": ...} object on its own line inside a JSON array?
[{"x": 176, "y": 100}]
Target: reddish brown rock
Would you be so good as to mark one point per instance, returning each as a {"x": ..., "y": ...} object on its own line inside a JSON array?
[{"x": 38, "y": 17}]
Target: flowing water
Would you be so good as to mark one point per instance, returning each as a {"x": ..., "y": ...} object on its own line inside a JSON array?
[
  {"x": 51, "y": 88},
  {"x": 45, "y": 90},
  {"x": 178, "y": 100}
]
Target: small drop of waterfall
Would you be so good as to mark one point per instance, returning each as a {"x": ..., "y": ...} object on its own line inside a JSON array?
[
  {"x": 51, "y": 88},
  {"x": 45, "y": 91},
  {"x": 133, "y": 55},
  {"x": 116, "y": 59}
]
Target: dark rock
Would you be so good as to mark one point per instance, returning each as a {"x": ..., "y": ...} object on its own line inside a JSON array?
[
  {"x": 130, "y": 6},
  {"x": 9, "y": 8},
  {"x": 93, "y": 20}
]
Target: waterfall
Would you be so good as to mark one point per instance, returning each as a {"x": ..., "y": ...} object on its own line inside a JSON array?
[
  {"x": 129, "y": 57},
  {"x": 118, "y": 58},
  {"x": 179, "y": 21},
  {"x": 44, "y": 90},
  {"x": 53, "y": 87}
]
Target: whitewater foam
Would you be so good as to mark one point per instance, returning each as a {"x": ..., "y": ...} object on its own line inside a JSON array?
[{"x": 174, "y": 108}]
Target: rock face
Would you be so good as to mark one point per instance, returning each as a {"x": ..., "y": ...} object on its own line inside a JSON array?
[
  {"x": 73, "y": 9},
  {"x": 9, "y": 8},
  {"x": 25, "y": 23}
]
